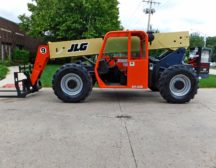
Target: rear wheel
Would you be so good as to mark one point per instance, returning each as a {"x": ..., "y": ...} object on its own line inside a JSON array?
[
  {"x": 178, "y": 84},
  {"x": 72, "y": 83}
]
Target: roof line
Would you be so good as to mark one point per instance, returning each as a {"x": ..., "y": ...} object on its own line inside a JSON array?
[{"x": 8, "y": 20}]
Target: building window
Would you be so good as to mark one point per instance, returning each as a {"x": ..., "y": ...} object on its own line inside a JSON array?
[{"x": 6, "y": 51}]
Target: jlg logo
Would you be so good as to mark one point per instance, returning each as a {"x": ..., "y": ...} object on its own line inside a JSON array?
[{"x": 78, "y": 47}]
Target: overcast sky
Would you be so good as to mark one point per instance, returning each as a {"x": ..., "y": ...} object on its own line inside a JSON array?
[{"x": 171, "y": 15}]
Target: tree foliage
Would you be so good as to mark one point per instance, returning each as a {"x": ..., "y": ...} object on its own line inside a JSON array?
[
  {"x": 196, "y": 40},
  {"x": 211, "y": 43},
  {"x": 70, "y": 19}
]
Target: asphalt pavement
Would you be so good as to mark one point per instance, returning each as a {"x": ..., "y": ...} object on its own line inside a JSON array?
[{"x": 111, "y": 129}]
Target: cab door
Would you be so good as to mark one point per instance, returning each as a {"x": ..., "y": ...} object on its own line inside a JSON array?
[{"x": 138, "y": 60}]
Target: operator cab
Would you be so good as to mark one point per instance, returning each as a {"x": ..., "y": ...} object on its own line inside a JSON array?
[{"x": 123, "y": 60}]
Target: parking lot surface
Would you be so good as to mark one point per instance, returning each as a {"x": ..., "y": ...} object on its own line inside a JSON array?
[{"x": 111, "y": 129}]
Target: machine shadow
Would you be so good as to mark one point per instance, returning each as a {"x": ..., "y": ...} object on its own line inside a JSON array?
[{"x": 114, "y": 95}]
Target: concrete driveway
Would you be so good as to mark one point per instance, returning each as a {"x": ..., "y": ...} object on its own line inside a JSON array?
[
  {"x": 111, "y": 129},
  {"x": 212, "y": 71}
]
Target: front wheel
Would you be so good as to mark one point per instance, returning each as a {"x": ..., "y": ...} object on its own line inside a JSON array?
[
  {"x": 178, "y": 84},
  {"x": 72, "y": 83}
]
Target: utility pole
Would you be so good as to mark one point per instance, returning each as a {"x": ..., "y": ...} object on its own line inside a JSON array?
[{"x": 150, "y": 11}]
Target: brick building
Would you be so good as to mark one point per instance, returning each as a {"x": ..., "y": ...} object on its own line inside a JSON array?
[{"x": 11, "y": 37}]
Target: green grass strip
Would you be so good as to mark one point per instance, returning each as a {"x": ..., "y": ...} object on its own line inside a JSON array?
[
  {"x": 209, "y": 82},
  {"x": 47, "y": 75}
]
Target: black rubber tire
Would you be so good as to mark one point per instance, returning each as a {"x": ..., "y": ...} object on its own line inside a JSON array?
[
  {"x": 166, "y": 77},
  {"x": 153, "y": 88},
  {"x": 78, "y": 70}
]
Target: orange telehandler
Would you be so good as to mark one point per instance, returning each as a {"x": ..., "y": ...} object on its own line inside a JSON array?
[{"x": 119, "y": 60}]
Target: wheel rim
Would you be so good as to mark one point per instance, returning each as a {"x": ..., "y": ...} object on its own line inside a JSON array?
[
  {"x": 71, "y": 84},
  {"x": 180, "y": 85}
]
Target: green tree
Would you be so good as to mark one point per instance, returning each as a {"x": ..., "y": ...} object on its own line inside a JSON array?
[
  {"x": 196, "y": 40},
  {"x": 70, "y": 19},
  {"x": 211, "y": 43}
]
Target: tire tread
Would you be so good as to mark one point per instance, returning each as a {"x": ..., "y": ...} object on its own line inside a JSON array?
[
  {"x": 163, "y": 82},
  {"x": 78, "y": 67}
]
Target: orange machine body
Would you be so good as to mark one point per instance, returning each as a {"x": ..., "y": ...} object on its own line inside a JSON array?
[
  {"x": 41, "y": 60},
  {"x": 136, "y": 69}
]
